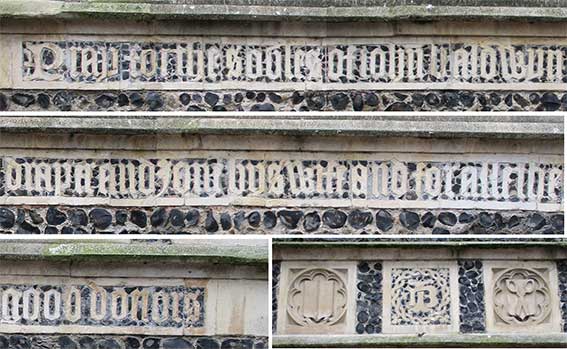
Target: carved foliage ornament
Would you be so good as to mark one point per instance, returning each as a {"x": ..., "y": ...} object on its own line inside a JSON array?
[
  {"x": 317, "y": 297},
  {"x": 521, "y": 297},
  {"x": 421, "y": 296}
]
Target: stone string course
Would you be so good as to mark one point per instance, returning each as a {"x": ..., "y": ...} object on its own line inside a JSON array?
[
  {"x": 69, "y": 100},
  {"x": 471, "y": 297},
  {"x": 369, "y": 298},
  {"x": 562, "y": 272},
  {"x": 129, "y": 342},
  {"x": 249, "y": 220}
]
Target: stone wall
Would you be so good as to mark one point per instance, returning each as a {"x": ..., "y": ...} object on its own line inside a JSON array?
[{"x": 379, "y": 290}]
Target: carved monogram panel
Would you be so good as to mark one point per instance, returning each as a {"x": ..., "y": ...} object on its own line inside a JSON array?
[
  {"x": 214, "y": 179},
  {"x": 91, "y": 305},
  {"x": 293, "y": 63},
  {"x": 317, "y": 297},
  {"x": 522, "y": 297},
  {"x": 420, "y": 296}
]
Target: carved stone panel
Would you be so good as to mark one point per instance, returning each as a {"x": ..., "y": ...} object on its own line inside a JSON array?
[
  {"x": 316, "y": 297},
  {"x": 420, "y": 297},
  {"x": 522, "y": 296}
]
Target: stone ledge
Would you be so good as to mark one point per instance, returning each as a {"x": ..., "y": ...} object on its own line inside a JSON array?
[
  {"x": 447, "y": 125},
  {"x": 403, "y": 341},
  {"x": 230, "y": 251},
  {"x": 287, "y": 10}
]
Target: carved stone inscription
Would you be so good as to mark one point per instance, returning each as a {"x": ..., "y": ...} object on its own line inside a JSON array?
[
  {"x": 317, "y": 297},
  {"x": 93, "y": 305},
  {"x": 521, "y": 297},
  {"x": 420, "y": 296},
  {"x": 285, "y": 181},
  {"x": 191, "y": 62}
]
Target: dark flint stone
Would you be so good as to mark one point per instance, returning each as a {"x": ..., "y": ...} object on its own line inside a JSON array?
[
  {"x": 274, "y": 97},
  {"x": 254, "y": 219},
  {"x": 467, "y": 99},
  {"x": 105, "y": 101},
  {"x": 334, "y": 218},
  {"x": 43, "y": 100},
  {"x": 87, "y": 343},
  {"x": 237, "y": 344},
  {"x": 194, "y": 108},
  {"x": 100, "y": 218},
  {"x": 66, "y": 343},
  {"x": 485, "y": 219},
  {"x": 260, "y": 97},
  {"x": 399, "y": 106},
  {"x": 211, "y": 99},
  {"x": 270, "y": 219},
  {"x": 132, "y": 343},
  {"x": 448, "y": 218},
  {"x": 185, "y": 99},
  {"x": 177, "y": 218},
  {"x": 20, "y": 342},
  {"x": 384, "y": 221},
  {"x": 158, "y": 217},
  {"x": 315, "y": 101},
  {"x": 63, "y": 100},
  {"x": 219, "y": 108},
  {"x": 136, "y": 100},
  {"x": 239, "y": 219},
  {"x": 536, "y": 221},
  {"x": 121, "y": 217},
  {"x": 362, "y": 316},
  {"x": 432, "y": 99},
  {"x": 409, "y": 220},
  {"x": 250, "y": 94},
  {"x": 359, "y": 219},
  {"x": 211, "y": 224},
  {"x": 225, "y": 221},
  {"x": 206, "y": 343},
  {"x": 176, "y": 343},
  {"x": 465, "y": 218},
  {"x": 297, "y": 98},
  {"x": 3, "y": 102},
  {"x": 55, "y": 217},
  {"x": 514, "y": 221},
  {"x": 154, "y": 100},
  {"x": 363, "y": 267},
  {"x": 440, "y": 231},
  {"x": 372, "y": 100},
  {"x": 192, "y": 217},
  {"x": 263, "y": 107},
  {"x": 36, "y": 217},
  {"x": 7, "y": 218},
  {"x": 550, "y": 101},
  {"x": 428, "y": 220},
  {"x": 78, "y": 217},
  {"x": 557, "y": 222},
  {"x": 4, "y": 343},
  {"x": 123, "y": 100},
  {"x": 26, "y": 228},
  {"x": 140, "y": 218},
  {"x": 311, "y": 222},
  {"x": 108, "y": 344},
  {"x": 238, "y": 97},
  {"x": 289, "y": 218},
  {"x": 357, "y": 102},
  {"x": 417, "y": 99},
  {"x": 23, "y": 99},
  {"x": 339, "y": 101},
  {"x": 151, "y": 343}
]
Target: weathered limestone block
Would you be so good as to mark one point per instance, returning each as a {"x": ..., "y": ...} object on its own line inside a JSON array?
[
  {"x": 426, "y": 293},
  {"x": 106, "y": 288}
]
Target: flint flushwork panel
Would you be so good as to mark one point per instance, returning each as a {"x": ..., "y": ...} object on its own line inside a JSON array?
[
  {"x": 91, "y": 306},
  {"x": 369, "y": 298},
  {"x": 291, "y": 64},
  {"x": 285, "y": 180}
]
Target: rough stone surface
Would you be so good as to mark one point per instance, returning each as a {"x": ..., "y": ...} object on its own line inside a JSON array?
[
  {"x": 203, "y": 220},
  {"x": 276, "y": 271},
  {"x": 282, "y": 101},
  {"x": 562, "y": 273},
  {"x": 369, "y": 298},
  {"x": 471, "y": 297}
]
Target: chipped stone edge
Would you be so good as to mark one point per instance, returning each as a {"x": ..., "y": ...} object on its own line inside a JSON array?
[
  {"x": 230, "y": 251},
  {"x": 143, "y": 10},
  {"x": 426, "y": 124}
]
